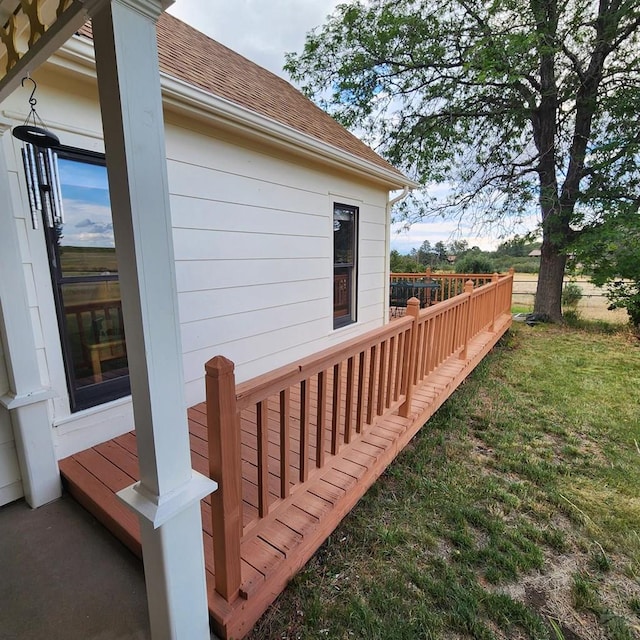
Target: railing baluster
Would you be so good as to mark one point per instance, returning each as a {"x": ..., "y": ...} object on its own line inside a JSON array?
[
  {"x": 285, "y": 444},
  {"x": 262, "y": 430},
  {"x": 390, "y": 371},
  {"x": 468, "y": 288},
  {"x": 494, "y": 313},
  {"x": 372, "y": 383},
  {"x": 321, "y": 418},
  {"x": 382, "y": 370},
  {"x": 429, "y": 361},
  {"x": 413, "y": 310},
  {"x": 304, "y": 430},
  {"x": 361, "y": 385},
  {"x": 348, "y": 404},
  {"x": 420, "y": 352},
  {"x": 335, "y": 410},
  {"x": 397, "y": 378}
]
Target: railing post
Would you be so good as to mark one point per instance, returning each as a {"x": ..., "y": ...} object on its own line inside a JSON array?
[
  {"x": 468, "y": 288},
  {"x": 226, "y": 469},
  {"x": 428, "y": 272},
  {"x": 494, "y": 279},
  {"x": 413, "y": 310}
]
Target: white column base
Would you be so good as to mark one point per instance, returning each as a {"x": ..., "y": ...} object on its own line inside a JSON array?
[
  {"x": 160, "y": 509},
  {"x": 171, "y": 531},
  {"x": 32, "y": 431}
]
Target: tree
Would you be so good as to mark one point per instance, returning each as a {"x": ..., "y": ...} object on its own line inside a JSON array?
[
  {"x": 457, "y": 247},
  {"x": 425, "y": 253},
  {"x": 396, "y": 261},
  {"x": 610, "y": 249},
  {"x": 517, "y": 105},
  {"x": 440, "y": 250}
]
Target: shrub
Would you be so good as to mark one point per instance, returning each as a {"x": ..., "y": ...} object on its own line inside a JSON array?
[
  {"x": 571, "y": 295},
  {"x": 474, "y": 263}
]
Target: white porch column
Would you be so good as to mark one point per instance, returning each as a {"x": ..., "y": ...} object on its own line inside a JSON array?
[
  {"x": 168, "y": 494},
  {"x": 27, "y": 400}
]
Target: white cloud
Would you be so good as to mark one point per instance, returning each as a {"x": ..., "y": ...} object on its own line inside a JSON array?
[{"x": 87, "y": 224}]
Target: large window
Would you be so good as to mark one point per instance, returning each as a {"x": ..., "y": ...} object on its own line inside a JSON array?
[
  {"x": 74, "y": 200},
  {"x": 345, "y": 242}
]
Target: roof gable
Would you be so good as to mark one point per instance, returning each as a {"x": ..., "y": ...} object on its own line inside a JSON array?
[{"x": 191, "y": 56}]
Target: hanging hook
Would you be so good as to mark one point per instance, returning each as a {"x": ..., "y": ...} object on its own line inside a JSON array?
[
  {"x": 35, "y": 133},
  {"x": 32, "y": 100}
]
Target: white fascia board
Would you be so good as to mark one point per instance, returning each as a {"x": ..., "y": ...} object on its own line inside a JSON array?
[{"x": 77, "y": 55}]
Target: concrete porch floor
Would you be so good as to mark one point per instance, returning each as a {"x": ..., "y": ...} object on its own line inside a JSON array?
[{"x": 65, "y": 577}]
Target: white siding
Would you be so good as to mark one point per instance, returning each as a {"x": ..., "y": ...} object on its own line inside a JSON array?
[{"x": 253, "y": 236}]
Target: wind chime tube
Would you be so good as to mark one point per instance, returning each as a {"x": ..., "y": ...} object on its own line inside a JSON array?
[
  {"x": 49, "y": 186},
  {"x": 34, "y": 176},
  {"x": 46, "y": 201},
  {"x": 55, "y": 185},
  {"x": 30, "y": 188}
]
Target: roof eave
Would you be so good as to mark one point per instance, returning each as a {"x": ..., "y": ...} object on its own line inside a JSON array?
[
  {"x": 77, "y": 55},
  {"x": 184, "y": 96}
]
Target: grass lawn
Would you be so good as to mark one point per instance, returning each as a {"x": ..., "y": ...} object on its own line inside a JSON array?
[{"x": 514, "y": 513}]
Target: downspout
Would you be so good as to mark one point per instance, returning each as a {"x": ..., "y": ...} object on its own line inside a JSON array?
[{"x": 387, "y": 241}]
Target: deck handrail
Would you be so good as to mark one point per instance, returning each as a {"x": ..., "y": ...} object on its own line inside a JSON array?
[
  {"x": 451, "y": 284},
  {"x": 352, "y": 384}
]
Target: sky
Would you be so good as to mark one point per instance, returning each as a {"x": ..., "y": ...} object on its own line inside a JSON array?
[
  {"x": 87, "y": 212},
  {"x": 264, "y": 32}
]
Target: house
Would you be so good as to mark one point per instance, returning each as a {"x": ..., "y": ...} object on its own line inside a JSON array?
[
  {"x": 223, "y": 207},
  {"x": 259, "y": 177}
]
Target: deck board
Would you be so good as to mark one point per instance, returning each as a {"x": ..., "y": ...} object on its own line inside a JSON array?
[{"x": 275, "y": 547}]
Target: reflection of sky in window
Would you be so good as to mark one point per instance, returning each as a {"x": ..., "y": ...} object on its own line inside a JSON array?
[{"x": 87, "y": 212}]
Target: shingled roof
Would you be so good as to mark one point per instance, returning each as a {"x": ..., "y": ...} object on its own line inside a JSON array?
[{"x": 189, "y": 55}]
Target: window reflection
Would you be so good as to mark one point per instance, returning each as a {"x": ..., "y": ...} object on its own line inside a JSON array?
[{"x": 85, "y": 273}]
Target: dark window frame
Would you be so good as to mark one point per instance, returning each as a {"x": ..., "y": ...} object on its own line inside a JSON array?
[
  {"x": 345, "y": 273},
  {"x": 80, "y": 397}
]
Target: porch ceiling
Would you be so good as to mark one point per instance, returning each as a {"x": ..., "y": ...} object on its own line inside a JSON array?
[{"x": 31, "y": 31}]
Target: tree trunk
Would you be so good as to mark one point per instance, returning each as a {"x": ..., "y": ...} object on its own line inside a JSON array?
[{"x": 549, "y": 290}]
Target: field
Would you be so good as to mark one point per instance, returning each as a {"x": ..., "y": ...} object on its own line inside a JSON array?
[{"x": 592, "y": 306}]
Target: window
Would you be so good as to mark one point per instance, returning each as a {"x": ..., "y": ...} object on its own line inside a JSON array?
[
  {"x": 345, "y": 239},
  {"x": 70, "y": 189}
]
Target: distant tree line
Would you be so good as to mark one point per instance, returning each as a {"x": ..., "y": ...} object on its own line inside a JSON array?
[{"x": 459, "y": 257}]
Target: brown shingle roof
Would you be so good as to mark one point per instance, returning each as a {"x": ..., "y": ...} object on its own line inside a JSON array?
[{"x": 189, "y": 55}]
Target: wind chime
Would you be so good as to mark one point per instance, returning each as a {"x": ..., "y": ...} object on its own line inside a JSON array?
[{"x": 40, "y": 166}]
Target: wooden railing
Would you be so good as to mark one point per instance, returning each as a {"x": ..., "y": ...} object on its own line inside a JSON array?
[
  {"x": 450, "y": 284},
  {"x": 292, "y": 419}
]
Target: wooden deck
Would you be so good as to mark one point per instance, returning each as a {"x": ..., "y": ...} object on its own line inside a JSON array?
[{"x": 288, "y": 510}]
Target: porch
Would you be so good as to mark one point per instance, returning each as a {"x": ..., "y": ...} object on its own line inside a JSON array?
[{"x": 295, "y": 449}]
